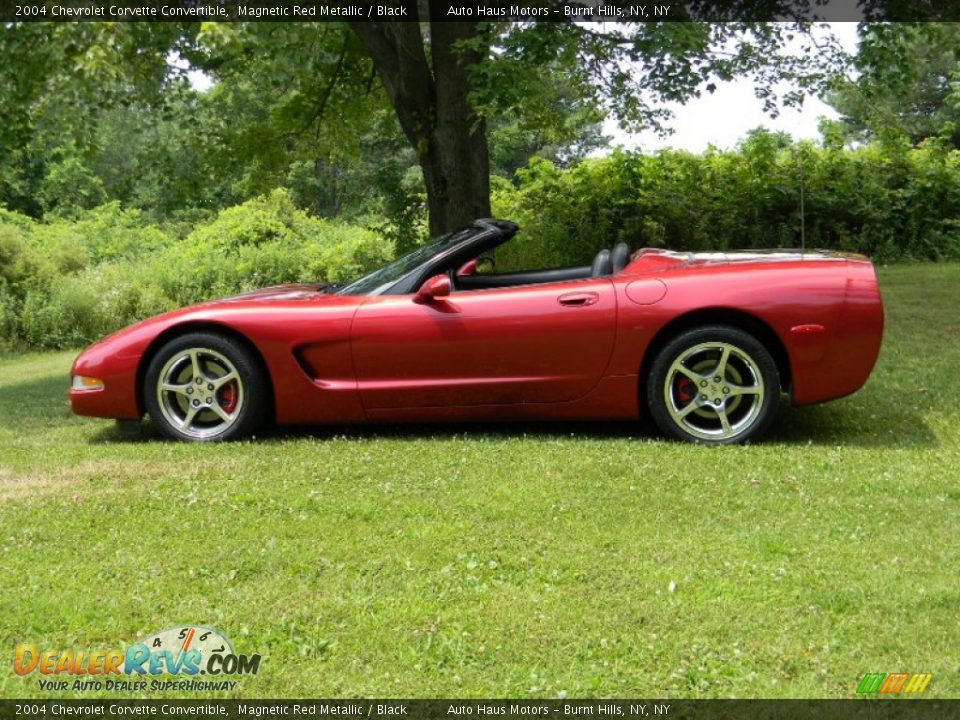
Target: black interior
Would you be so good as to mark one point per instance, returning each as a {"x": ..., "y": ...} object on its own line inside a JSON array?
[
  {"x": 605, "y": 263},
  {"x": 620, "y": 257},
  {"x": 528, "y": 277},
  {"x": 602, "y": 265}
]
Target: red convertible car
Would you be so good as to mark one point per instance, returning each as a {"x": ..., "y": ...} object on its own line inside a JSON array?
[{"x": 705, "y": 343}]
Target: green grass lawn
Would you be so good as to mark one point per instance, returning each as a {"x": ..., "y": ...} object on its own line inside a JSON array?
[{"x": 525, "y": 561}]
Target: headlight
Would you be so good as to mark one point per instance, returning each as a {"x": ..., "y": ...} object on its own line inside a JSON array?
[{"x": 82, "y": 382}]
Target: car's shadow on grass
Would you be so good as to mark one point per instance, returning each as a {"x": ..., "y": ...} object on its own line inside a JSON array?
[
  {"x": 864, "y": 420},
  {"x": 882, "y": 426},
  {"x": 840, "y": 424},
  {"x": 414, "y": 431},
  {"x": 37, "y": 403},
  {"x": 822, "y": 425}
]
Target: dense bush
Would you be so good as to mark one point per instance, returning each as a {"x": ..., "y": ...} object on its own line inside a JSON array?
[
  {"x": 108, "y": 232},
  {"x": 9, "y": 314},
  {"x": 63, "y": 284},
  {"x": 887, "y": 202}
]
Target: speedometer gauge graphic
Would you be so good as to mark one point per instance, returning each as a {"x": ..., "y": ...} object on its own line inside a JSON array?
[{"x": 184, "y": 638}]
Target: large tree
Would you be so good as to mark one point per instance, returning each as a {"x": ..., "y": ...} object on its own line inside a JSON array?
[
  {"x": 310, "y": 94},
  {"x": 434, "y": 106},
  {"x": 446, "y": 79},
  {"x": 297, "y": 103}
]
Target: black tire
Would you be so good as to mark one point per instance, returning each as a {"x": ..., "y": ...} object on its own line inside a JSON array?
[
  {"x": 732, "y": 406},
  {"x": 229, "y": 400}
]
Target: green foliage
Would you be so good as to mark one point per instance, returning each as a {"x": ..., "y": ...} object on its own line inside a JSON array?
[
  {"x": 11, "y": 250},
  {"x": 907, "y": 84},
  {"x": 633, "y": 70},
  {"x": 70, "y": 186},
  {"x": 885, "y": 202},
  {"x": 264, "y": 241},
  {"x": 59, "y": 83},
  {"x": 9, "y": 315},
  {"x": 253, "y": 223},
  {"x": 25, "y": 262},
  {"x": 64, "y": 284},
  {"x": 108, "y": 232},
  {"x": 96, "y": 112},
  {"x": 61, "y": 316},
  {"x": 348, "y": 252}
]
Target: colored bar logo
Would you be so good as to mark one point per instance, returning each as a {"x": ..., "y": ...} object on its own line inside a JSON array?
[{"x": 894, "y": 683}]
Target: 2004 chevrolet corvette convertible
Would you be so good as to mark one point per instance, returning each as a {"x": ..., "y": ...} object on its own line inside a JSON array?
[{"x": 705, "y": 343}]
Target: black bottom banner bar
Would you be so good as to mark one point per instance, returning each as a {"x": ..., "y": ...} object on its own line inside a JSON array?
[{"x": 874, "y": 709}]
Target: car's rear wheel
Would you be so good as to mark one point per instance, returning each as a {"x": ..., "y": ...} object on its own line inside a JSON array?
[
  {"x": 714, "y": 385},
  {"x": 205, "y": 386}
]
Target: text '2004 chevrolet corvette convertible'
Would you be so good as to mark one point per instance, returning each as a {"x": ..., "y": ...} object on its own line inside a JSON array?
[{"x": 705, "y": 343}]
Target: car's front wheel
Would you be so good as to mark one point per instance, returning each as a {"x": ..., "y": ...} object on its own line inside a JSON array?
[
  {"x": 713, "y": 385},
  {"x": 205, "y": 386}
]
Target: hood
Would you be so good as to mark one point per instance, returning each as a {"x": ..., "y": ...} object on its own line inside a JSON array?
[
  {"x": 134, "y": 338},
  {"x": 290, "y": 291}
]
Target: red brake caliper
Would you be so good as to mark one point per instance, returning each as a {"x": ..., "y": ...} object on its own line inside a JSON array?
[
  {"x": 228, "y": 397},
  {"x": 684, "y": 387}
]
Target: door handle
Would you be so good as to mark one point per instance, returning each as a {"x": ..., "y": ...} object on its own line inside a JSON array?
[{"x": 578, "y": 299}]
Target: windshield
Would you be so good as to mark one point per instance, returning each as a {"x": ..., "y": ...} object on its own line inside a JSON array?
[{"x": 389, "y": 274}]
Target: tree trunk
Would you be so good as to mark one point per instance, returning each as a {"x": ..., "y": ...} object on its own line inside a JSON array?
[
  {"x": 434, "y": 110},
  {"x": 457, "y": 154},
  {"x": 456, "y": 174}
]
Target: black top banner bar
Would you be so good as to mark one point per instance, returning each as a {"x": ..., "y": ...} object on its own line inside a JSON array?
[
  {"x": 866, "y": 709},
  {"x": 622, "y": 11}
]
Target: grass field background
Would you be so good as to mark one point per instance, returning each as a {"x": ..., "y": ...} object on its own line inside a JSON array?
[{"x": 528, "y": 560}]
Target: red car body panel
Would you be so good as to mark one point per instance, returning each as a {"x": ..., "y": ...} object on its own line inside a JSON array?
[
  {"x": 558, "y": 350},
  {"x": 485, "y": 347}
]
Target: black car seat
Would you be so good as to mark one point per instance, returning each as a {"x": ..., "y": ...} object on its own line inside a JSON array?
[
  {"x": 620, "y": 257},
  {"x": 601, "y": 264}
]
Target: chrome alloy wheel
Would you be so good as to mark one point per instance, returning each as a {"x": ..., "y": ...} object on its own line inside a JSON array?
[
  {"x": 714, "y": 391},
  {"x": 200, "y": 393}
]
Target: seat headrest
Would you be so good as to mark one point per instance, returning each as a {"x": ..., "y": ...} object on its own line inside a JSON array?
[
  {"x": 620, "y": 257},
  {"x": 601, "y": 264}
]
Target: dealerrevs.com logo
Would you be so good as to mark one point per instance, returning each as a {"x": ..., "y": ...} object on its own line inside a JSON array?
[{"x": 183, "y": 652}]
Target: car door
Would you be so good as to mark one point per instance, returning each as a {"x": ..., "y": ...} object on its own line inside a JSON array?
[{"x": 530, "y": 344}]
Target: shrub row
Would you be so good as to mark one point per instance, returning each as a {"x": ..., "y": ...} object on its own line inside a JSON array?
[
  {"x": 891, "y": 203},
  {"x": 64, "y": 283}
]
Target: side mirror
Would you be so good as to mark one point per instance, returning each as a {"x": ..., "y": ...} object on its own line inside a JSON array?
[{"x": 436, "y": 287}]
